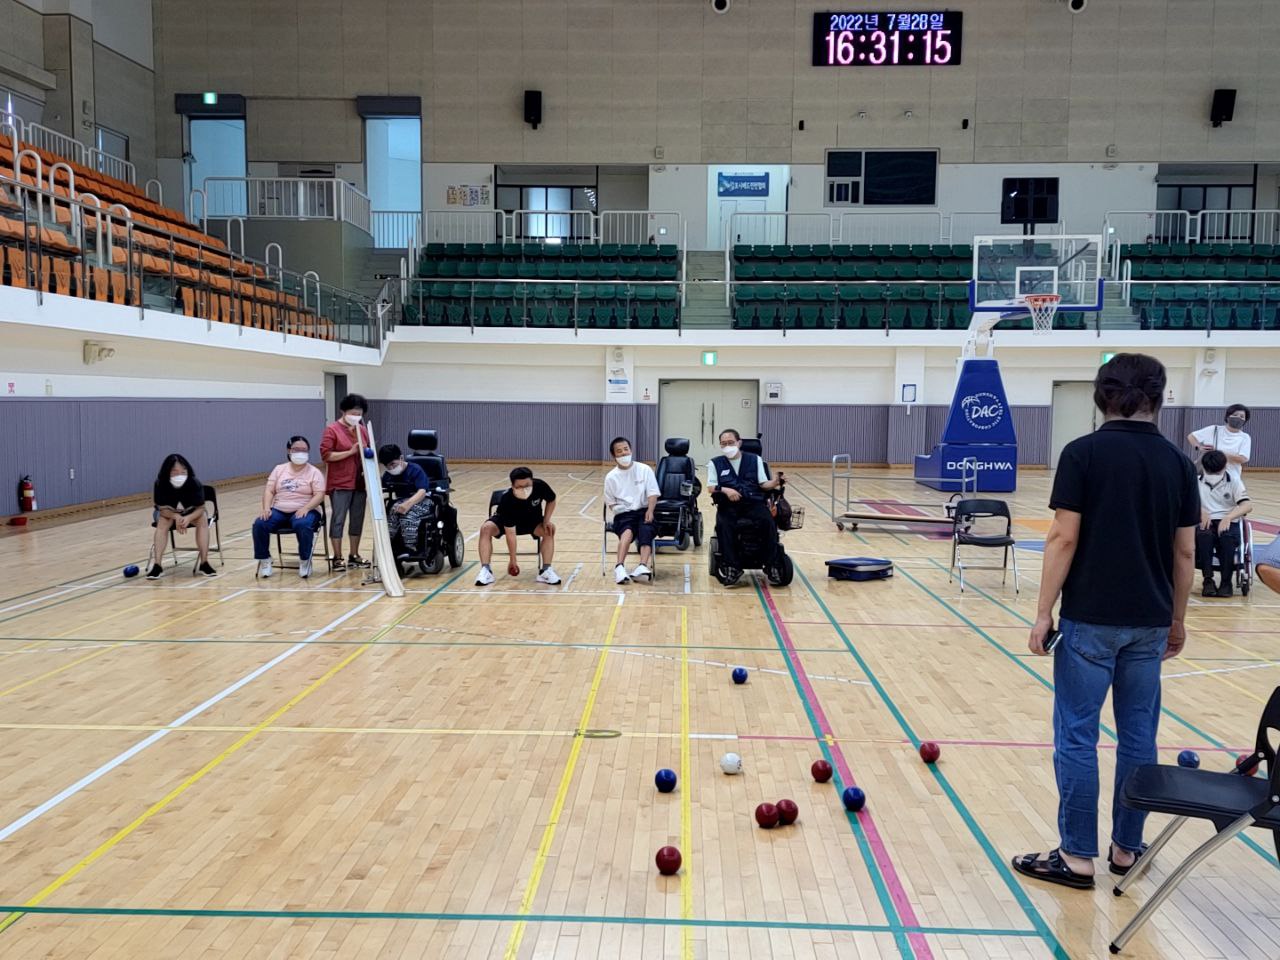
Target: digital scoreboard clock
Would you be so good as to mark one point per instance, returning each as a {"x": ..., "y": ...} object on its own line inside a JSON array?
[{"x": 882, "y": 39}]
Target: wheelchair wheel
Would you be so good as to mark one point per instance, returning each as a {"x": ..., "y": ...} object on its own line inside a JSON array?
[
  {"x": 697, "y": 530},
  {"x": 713, "y": 557},
  {"x": 457, "y": 549},
  {"x": 434, "y": 565},
  {"x": 682, "y": 543},
  {"x": 782, "y": 572}
]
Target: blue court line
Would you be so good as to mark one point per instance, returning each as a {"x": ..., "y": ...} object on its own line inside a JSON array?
[
  {"x": 864, "y": 846},
  {"x": 703, "y": 922},
  {"x": 1208, "y": 738},
  {"x": 1006, "y": 874}
]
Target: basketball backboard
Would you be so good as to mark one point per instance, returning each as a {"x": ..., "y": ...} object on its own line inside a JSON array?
[{"x": 1007, "y": 268}]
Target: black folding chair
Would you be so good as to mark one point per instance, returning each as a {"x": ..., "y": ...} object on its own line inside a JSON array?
[
  {"x": 608, "y": 531},
  {"x": 211, "y": 518},
  {"x": 1232, "y": 802},
  {"x": 969, "y": 513},
  {"x": 321, "y": 540},
  {"x": 493, "y": 508}
]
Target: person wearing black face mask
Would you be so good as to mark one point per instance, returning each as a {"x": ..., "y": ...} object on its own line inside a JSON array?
[{"x": 1230, "y": 439}]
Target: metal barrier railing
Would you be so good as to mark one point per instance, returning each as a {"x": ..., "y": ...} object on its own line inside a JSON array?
[
  {"x": 286, "y": 198},
  {"x": 393, "y": 229},
  {"x": 74, "y": 244}
]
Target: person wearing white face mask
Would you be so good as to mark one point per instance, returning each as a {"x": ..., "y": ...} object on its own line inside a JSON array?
[
  {"x": 736, "y": 482},
  {"x": 340, "y": 449},
  {"x": 1223, "y": 502},
  {"x": 631, "y": 492},
  {"x": 289, "y": 500},
  {"x": 524, "y": 510},
  {"x": 179, "y": 505},
  {"x": 409, "y": 485}
]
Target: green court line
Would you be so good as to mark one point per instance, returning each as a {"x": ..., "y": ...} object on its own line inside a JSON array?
[
  {"x": 290, "y": 641},
  {"x": 1028, "y": 908},
  {"x": 704, "y": 922},
  {"x": 1209, "y": 738},
  {"x": 864, "y": 847}
]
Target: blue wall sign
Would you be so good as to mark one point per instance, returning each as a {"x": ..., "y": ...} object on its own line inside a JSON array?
[{"x": 742, "y": 184}]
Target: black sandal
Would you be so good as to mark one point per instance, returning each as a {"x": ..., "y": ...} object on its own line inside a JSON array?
[
  {"x": 1052, "y": 869},
  {"x": 1118, "y": 870}
]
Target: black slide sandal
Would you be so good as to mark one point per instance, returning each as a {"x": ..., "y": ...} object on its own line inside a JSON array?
[
  {"x": 1121, "y": 871},
  {"x": 1052, "y": 869}
]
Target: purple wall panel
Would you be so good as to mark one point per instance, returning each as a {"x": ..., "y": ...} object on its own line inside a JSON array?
[
  {"x": 649, "y": 447},
  {"x": 814, "y": 433},
  {"x": 491, "y": 430},
  {"x": 1263, "y": 430},
  {"x": 1033, "y": 426},
  {"x": 115, "y": 445},
  {"x": 907, "y": 431}
]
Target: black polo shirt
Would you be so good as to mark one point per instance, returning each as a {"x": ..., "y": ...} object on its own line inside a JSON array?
[{"x": 1133, "y": 489}]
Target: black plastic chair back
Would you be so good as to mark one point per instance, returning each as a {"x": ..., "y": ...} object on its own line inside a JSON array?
[
  {"x": 676, "y": 469},
  {"x": 211, "y": 497}
]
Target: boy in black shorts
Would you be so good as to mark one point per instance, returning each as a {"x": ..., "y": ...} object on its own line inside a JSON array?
[{"x": 524, "y": 510}]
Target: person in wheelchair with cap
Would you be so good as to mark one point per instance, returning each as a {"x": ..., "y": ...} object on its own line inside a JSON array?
[{"x": 738, "y": 483}]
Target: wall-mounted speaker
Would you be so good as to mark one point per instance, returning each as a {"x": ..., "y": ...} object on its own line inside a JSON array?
[
  {"x": 533, "y": 107},
  {"x": 1223, "y": 107}
]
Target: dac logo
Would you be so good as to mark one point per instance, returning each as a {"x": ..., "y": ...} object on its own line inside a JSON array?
[{"x": 983, "y": 410}]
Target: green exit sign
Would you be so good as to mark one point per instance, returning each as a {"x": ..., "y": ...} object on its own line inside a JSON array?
[
  {"x": 709, "y": 358},
  {"x": 210, "y": 98},
  {"x": 1106, "y": 357}
]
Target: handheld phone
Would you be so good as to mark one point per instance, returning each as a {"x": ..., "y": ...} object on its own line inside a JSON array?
[{"x": 1053, "y": 639}]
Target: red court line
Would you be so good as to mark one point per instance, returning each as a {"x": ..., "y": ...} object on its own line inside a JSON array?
[
  {"x": 879, "y": 851},
  {"x": 1019, "y": 744}
]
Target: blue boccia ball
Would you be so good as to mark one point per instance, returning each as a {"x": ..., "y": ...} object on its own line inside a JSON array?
[
  {"x": 131, "y": 570},
  {"x": 368, "y": 453},
  {"x": 739, "y": 674},
  {"x": 1189, "y": 758},
  {"x": 854, "y": 799},
  {"x": 665, "y": 780}
]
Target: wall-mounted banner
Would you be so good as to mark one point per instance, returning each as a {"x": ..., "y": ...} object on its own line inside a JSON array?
[
  {"x": 742, "y": 184},
  {"x": 466, "y": 195}
]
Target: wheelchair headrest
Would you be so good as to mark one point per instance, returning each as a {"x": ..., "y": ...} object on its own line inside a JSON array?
[
  {"x": 677, "y": 446},
  {"x": 752, "y": 445},
  {"x": 423, "y": 440}
]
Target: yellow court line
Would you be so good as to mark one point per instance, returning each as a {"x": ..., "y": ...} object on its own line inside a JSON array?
[
  {"x": 1221, "y": 679},
  {"x": 120, "y": 835},
  {"x": 562, "y": 794},
  {"x": 686, "y": 794}
]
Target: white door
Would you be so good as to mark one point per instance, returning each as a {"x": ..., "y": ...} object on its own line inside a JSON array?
[
  {"x": 1074, "y": 415},
  {"x": 745, "y": 229},
  {"x": 700, "y": 409}
]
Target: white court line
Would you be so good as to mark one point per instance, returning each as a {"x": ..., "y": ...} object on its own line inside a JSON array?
[
  {"x": 159, "y": 735},
  {"x": 213, "y": 581},
  {"x": 573, "y": 576},
  {"x": 232, "y": 596},
  {"x": 686, "y": 578},
  {"x": 581, "y": 479},
  {"x": 50, "y": 596},
  {"x": 1201, "y": 673}
]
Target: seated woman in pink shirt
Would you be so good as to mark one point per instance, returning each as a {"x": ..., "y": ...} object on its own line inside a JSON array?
[{"x": 289, "y": 501}]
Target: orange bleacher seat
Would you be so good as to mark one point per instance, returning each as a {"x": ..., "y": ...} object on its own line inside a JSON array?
[
  {"x": 17, "y": 267},
  {"x": 99, "y": 283}
]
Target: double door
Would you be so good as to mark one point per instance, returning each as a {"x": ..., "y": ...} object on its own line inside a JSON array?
[{"x": 700, "y": 409}]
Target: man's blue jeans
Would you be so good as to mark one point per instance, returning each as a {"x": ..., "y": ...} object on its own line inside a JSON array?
[
  {"x": 304, "y": 527},
  {"x": 1090, "y": 660}
]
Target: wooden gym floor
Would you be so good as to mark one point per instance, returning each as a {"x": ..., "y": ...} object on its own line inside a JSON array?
[{"x": 301, "y": 769}]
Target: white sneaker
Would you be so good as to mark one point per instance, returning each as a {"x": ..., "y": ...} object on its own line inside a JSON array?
[
  {"x": 641, "y": 572},
  {"x": 484, "y": 577},
  {"x": 620, "y": 574},
  {"x": 548, "y": 575},
  {"x": 264, "y": 569},
  {"x": 304, "y": 568}
]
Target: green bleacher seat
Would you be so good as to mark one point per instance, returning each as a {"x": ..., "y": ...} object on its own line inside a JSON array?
[
  {"x": 1226, "y": 292},
  {"x": 511, "y": 251},
  {"x": 453, "y": 249},
  {"x": 821, "y": 251},
  {"x": 607, "y": 269},
  {"x": 491, "y": 251},
  {"x": 801, "y": 251},
  {"x": 766, "y": 271},
  {"x": 827, "y": 294},
  {"x": 668, "y": 271},
  {"x": 609, "y": 251},
  {"x": 647, "y": 251},
  {"x": 881, "y": 251},
  {"x": 921, "y": 251},
  {"x": 1255, "y": 271},
  {"x": 804, "y": 270},
  {"x": 606, "y": 292},
  {"x": 570, "y": 251},
  {"x": 941, "y": 251},
  {"x": 647, "y": 271},
  {"x": 1264, "y": 251},
  {"x": 866, "y": 270},
  {"x": 1236, "y": 270},
  {"x": 768, "y": 293},
  {"x": 962, "y": 251},
  {"x": 467, "y": 270},
  {"x": 562, "y": 316},
  {"x": 785, "y": 271},
  {"x": 1215, "y": 271},
  {"x": 1138, "y": 293},
  {"x": 643, "y": 292},
  {"x": 886, "y": 271},
  {"x": 900, "y": 251},
  {"x": 743, "y": 318},
  {"x": 1193, "y": 270},
  {"x": 1202, "y": 250},
  {"x": 908, "y": 271},
  {"x": 588, "y": 271},
  {"x": 667, "y": 318},
  {"x": 628, "y": 271},
  {"x": 1177, "y": 318},
  {"x": 1273, "y": 270},
  {"x": 860, "y": 251},
  {"x": 824, "y": 271},
  {"x": 1170, "y": 271},
  {"x": 913, "y": 292},
  {"x": 804, "y": 291},
  {"x": 841, "y": 251},
  {"x": 487, "y": 269},
  {"x": 846, "y": 271},
  {"x": 1250, "y": 293},
  {"x": 744, "y": 294},
  {"x": 1222, "y": 318},
  {"x": 896, "y": 316},
  {"x": 589, "y": 251},
  {"x": 952, "y": 270},
  {"x": 539, "y": 316},
  {"x": 668, "y": 251},
  {"x": 473, "y": 250},
  {"x": 447, "y": 269},
  {"x": 629, "y": 251},
  {"x": 667, "y": 294},
  {"x": 1199, "y": 318},
  {"x": 1180, "y": 250},
  {"x": 1241, "y": 250},
  {"x": 741, "y": 251}
]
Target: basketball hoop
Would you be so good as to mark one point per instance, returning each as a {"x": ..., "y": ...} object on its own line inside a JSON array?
[{"x": 1042, "y": 307}]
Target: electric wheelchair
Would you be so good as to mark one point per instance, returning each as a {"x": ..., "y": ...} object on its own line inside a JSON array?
[
  {"x": 438, "y": 535},
  {"x": 754, "y": 549}
]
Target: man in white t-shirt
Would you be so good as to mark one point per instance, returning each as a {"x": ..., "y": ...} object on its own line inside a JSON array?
[
  {"x": 631, "y": 492},
  {"x": 1230, "y": 439},
  {"x": 1223, "y": 501}
]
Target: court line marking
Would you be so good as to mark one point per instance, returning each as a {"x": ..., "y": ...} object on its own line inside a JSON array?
[
  {"x": 699, "y": 922},
  {"x": 120, "y": 835},
  {"x": 1243, "y": 838},
  {"x": 686, "y": 793},
  {"x": 572, "y": 577},
  {"x": 686, "y": 578},
  {"x": 889, "y": 888},
  {"x": 1002, "y": 869},
  {"x": 562, "y": 791},
  {"x": 122, "y": 757}
]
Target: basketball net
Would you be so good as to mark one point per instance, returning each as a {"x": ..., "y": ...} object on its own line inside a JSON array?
[{"x": 1042, "y": 307}]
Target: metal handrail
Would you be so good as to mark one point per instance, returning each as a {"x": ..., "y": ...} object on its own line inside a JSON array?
[{"x": 159, "y": 197}]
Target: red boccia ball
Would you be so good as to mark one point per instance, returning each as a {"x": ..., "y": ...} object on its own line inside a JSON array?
[
  {"x": 788, "y": 812},
  {"x": 767, "y": 815},
  {"x": 668, "y": 860},
  {"x": 930, "y": 752},
  {"x": 821, "y": 771}
]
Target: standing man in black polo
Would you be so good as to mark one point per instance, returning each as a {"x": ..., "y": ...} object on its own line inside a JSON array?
[
  {"x": 737, "y": 482},
  {"x": 1120, "y": 553}
]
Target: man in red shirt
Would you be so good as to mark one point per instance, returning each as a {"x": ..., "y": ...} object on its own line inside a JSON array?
[{"x": 340, "y": 449}]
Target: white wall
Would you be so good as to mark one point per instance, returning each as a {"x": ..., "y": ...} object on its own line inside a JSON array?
[
  {"x": 718, "y": 207},
  {"x": 623, "y": 190},
  {"x": 123, "y": 26},
  {"x": 438, "y": 177},
  {"x": 683, "y": 188}
]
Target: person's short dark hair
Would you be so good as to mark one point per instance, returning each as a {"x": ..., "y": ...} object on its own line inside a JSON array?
[
  {"x": 388, "y": 453},
  {"x": 1130, "y": 383},
  {"x": 1238, "y": 408},
  {"x": 294, "y": 439},
  {"x": 353, "y": 401},
  {"x": 736, "y": 434},
  {"x": 521, "y": 473},
  {"x": 614, "y": 443},
  {"x": 1213, "y": 461}
]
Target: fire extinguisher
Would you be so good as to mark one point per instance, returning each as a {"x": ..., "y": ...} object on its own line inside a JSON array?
[{"x": 27, "y": 495}]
